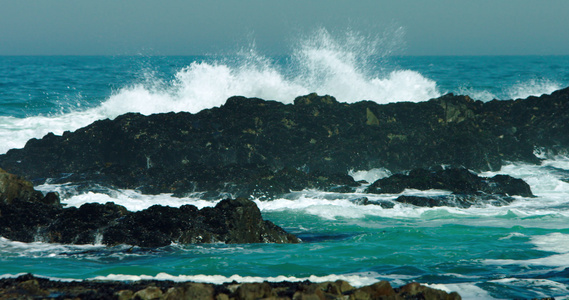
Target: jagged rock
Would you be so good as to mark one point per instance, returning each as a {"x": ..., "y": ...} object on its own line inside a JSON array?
[
  {"x": 83, "y": 225},
  {"x": 13, "y": 187},
  {"x": 28, "y": 287},
  {"x": 457, "y": 180},
  {"x": 378, "y": 290},
  {"x": 227, "y": 149},
  {"x": 467, "y": 188},
  {"x": 288, "y": 179},
  {"x": 149, "y": 293},
  {"x": 22, "y": 220},
  {"x": 230, "y": 221},
  {"x": 417, "y": 291}
]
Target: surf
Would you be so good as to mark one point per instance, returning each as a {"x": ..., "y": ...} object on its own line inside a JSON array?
[{"x": 343, "y": 65}]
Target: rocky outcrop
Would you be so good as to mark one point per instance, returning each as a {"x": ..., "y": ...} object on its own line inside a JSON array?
[
  {"x": 230, "y": 221},
  {"x": 467, "y": 188},
  {"x": 13, "y": 187},
  {"x": 28, "y": 286},
  {"x": 456, "y": 180},
  {"x": 27, "y": 216},
  {"x": 248, "y": 141}
]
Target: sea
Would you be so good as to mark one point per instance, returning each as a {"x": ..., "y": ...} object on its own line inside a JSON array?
[{"x": 520, "y": 250}]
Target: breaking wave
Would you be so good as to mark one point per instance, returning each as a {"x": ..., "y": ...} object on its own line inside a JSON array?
[{"x": 344, "y": 66}]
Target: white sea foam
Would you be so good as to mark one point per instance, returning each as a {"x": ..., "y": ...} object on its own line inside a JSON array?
[
  {"x": 465, "y": 290},
  {"x": 546, "y": 183},
  {"x": 130, "y": 199},
  {"x": 354, "y": 280},
  {"x": 533, "y": 87},
  {"x": 370, "y": 175},
  {"x": 553, "y": 242},
  {"x": 520, "y": 90},
  {"x": 321, "y": 63},
  {"x": 559, "y": 261},
  {"x": 550, "y": 209},
  {"x": 337, "y": 205},
  {"x": 40, "y": 249},
  {"x": 545, "y": 288},
  {"x": 476, "y": 94},
  {"x": 513, "y": 235},
  {"x": 134, "y": 201}
]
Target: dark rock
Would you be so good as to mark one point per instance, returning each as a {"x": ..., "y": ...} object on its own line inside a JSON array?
[
  {"x": 230, "y": 221},
  {"x": 30, "y": 287},
  {"x": 22, "y": 220},
  {"x": 457, "y": 180},
  {"x": 191, "y": 291},
  {"x": 507, "y": 185},
  {"x": 467, "y": 188},
  {"x": 379, "y": 290},
  {"x": 422, "y": 201},
  {"x": 229, "y": 148},
  {"x": 360, "y": 201},
  {"x": 83, "y": 225},
  {"x": 416, "y": 291},
  {"x": 289, "y": 179},
  {"x": 13, "y": 187},
  {"x": 23, "y": 210}
]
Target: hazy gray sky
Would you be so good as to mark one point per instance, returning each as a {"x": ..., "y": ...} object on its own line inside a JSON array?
[{"x": 176, "y": 27}]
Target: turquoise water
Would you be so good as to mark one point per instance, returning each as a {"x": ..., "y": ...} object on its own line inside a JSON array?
[{"x": 517, "y": 251}]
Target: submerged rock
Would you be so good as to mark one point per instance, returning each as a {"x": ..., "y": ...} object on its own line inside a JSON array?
[
  {"x": 240, "y": 147},
  {"x": 467, "y": 188},
  {"x": 27, "y": 287}
]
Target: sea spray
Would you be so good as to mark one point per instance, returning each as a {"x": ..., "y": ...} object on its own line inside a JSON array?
[
  {"x": 532, "y": 87},
  {"x": 344, "y": 66},
  {"x": 519, "y": 90},
  {"x": 514, "y": 251}
]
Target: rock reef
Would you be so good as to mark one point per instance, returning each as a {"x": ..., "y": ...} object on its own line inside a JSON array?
[
  {"x": 252, "y": 147},
  {"x": 28, "y": 217},
  {"x": 30, "y": 287}
]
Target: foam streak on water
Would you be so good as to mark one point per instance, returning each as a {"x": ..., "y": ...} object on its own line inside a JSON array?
[{"x": 354, "y": 280}]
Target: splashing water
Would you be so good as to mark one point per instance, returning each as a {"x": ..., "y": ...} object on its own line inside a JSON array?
[
  {"x": 340, "y": 66},
  {"x": 533, "y": 87}
]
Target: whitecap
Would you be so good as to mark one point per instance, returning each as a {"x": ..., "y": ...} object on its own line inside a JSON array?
[
  {"x": 341, "y": 66},
  {"x": 354, "y": 280}
]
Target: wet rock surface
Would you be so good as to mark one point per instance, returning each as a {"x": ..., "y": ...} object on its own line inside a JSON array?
[
  {"x": 253, "y": 147},
  {"x": 31, "y": 287},
  {"x": 26, "y": 216},
  {"x": 13, "y": 187},
  {"x": 467, "y": 188},
  {"x": 230, "y": 221}
]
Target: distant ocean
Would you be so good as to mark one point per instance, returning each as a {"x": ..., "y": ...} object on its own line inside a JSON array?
[{"x": 516, "y": 251}]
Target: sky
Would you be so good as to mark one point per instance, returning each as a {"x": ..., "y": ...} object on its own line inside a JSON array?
[{"x": 177, "y": 27}]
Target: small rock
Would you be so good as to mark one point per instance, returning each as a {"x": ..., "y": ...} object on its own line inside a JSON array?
[
  {"x": 124, "y": 294},
  {"x": 149, "y": 293},
  {"x": 251, "y": 291},
  {"x": 379, "y": 290}
]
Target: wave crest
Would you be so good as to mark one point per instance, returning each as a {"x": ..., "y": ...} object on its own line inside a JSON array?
[{"x": 344, "y": 66}]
